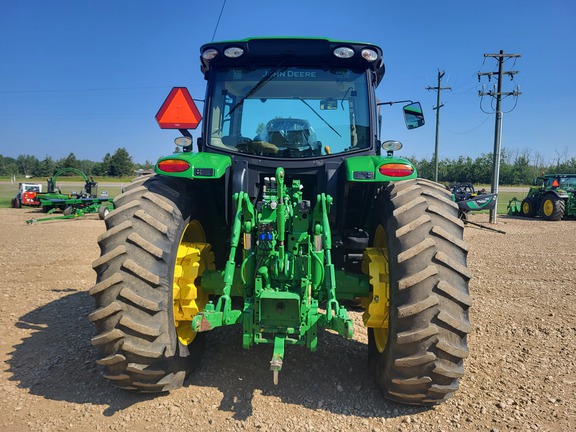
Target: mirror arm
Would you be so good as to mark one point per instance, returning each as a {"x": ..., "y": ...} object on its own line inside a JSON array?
[
  {"x": 393, "y": 102},
  {"x": 186, "y": 133}
]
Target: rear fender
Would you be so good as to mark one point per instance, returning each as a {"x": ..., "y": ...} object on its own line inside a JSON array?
[
  {"x": 561, "y": 193},
  {"x": 557, "y": 193},
  {"x": 379, "y": 169},
  {"x": 193, "y": 165}
]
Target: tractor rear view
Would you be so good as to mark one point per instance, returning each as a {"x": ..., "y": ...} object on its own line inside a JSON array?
[
  {"x": 291, "y": 208},
  {"x": 553, "y": 196}
]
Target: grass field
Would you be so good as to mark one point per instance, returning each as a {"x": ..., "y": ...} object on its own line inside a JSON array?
[{"x": 505, "y": 197}]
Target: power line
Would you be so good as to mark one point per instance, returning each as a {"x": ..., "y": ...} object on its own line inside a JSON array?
[
  {"x": 469, "y": 130},
  {"x": 218, "y": 22},
  {"x": 497, "y": 94},
  {"x": 438, "y": 89},
  {"x": 83, "y": 89}
]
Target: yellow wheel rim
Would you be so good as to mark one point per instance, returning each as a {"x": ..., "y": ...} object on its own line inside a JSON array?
[
  {"x": 526, "y": 208},
  {"x": 193, "y": 257},
  {"x": 548, "y": 207},
  {"x": 375, "y": 264}
]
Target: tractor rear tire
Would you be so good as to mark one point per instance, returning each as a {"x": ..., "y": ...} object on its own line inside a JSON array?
[
  {"x": 134, "y": 312},
  {"x": 529, "y": 207},
  {"x": 552, "y": 208},
  {"x": 426, "y": 341}
]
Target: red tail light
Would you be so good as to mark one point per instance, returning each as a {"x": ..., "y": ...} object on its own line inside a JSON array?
[
  {"x": 396, "y": 170},
  {"x": 173, "y": 165}
]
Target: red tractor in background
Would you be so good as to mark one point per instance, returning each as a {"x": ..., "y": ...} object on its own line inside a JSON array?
[{"x": 27, "y": 195}]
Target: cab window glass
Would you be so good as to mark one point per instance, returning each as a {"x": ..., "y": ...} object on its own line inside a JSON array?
[{"x": 290, "y": 112}]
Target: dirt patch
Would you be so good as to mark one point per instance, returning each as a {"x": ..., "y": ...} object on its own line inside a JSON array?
[{"x": 521, "y": 373}]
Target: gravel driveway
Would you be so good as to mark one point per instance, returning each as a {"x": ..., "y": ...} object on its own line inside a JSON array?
[{"x": 520, "y": 375}]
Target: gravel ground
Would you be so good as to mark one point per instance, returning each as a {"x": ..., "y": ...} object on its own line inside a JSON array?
[{"x": 520, "y": 375}]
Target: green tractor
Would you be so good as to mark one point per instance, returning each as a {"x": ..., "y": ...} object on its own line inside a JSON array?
[
  {"x": 553, "y": 196},
  {"x": 291, "y": 213}
]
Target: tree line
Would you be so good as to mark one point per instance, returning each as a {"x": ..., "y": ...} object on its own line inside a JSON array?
[
  {"x": 516, "y": 167},
  {"x": 119, "y": 164}
]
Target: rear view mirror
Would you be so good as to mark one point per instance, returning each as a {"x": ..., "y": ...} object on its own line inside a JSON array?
[
  {"x": 413, "y": 115},
  {"x": 183, "y": 141}
]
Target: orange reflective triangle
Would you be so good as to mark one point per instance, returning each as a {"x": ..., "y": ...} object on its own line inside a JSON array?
[{"x": 178, "y": 111}]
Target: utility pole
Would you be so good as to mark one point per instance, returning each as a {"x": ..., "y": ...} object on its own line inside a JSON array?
[
  {"x": 497, "y": 93},
  {"x": 439, "y": 89}
]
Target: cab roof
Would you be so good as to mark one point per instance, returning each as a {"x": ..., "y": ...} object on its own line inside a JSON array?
[{"x": 291, "y": 51}]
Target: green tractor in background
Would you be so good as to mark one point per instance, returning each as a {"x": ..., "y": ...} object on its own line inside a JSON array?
[
  {"x": 553, "y": 196},
  {"x": 290, "y": 209}
]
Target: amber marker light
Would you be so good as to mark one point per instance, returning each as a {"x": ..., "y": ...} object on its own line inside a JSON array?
[
  {"x": 396, "y": 170},
  {"x": 173, "y": 165}
]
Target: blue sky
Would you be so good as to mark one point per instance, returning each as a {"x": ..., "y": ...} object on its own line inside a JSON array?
[{"x": 88, "y": 76}]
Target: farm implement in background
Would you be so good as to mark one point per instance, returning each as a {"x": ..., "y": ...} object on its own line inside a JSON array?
[
  {"x": 75, "y": 204},
  {"x": 78, "y": 207},
  {"x": 54, "y": 199},
  {"x": 468, "y": 200}
]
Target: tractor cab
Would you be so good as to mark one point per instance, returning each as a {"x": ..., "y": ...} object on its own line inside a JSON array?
[
  {"x": 290, "y": 112},
  {"x": 293, "y": 98},
  {"x": 308, "y": 105}
]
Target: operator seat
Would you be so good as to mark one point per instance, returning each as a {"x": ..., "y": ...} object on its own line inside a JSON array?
[{"x": 277, "y": 138}]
